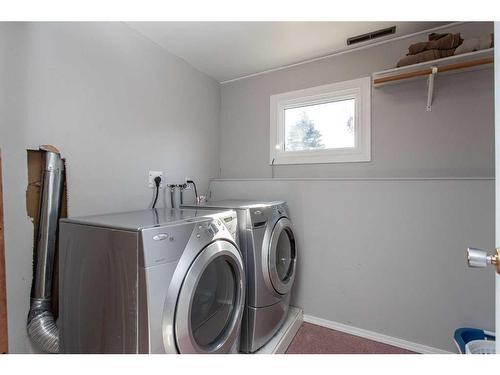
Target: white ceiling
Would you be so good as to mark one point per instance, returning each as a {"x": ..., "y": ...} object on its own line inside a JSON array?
[{"x": 229, "y": 50}]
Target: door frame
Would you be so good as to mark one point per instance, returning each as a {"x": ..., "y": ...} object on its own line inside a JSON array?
[
  {"x": 3, "y": 288},
  {"x": 497, "y": 177}
]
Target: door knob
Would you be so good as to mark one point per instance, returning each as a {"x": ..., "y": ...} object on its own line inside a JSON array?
[{"x": 478, "y": 258}]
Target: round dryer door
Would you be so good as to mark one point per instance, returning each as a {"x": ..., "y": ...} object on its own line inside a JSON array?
[
  {"x": 282, "y": 256},
  {"x": 210, "y": 304}
]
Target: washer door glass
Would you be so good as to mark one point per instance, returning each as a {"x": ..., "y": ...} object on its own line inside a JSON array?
[
  {"x": 282, "y": 256},
  {"x": 213, "y": 302}
]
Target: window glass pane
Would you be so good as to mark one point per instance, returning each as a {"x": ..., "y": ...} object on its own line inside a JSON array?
[{"x": 320, "y": 126}]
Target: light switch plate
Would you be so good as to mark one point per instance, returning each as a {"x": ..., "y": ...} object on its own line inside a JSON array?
[{"x": 152, "y": 176}]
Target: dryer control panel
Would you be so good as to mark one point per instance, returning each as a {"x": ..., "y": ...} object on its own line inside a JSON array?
[{"x": 228, "y": 219}]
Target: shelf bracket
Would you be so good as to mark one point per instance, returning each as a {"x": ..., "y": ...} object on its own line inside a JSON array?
[{"x": 430, "y": 87}]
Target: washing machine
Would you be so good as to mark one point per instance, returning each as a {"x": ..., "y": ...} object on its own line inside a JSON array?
[
  {"x": 267, "y": 241},
  {"x": 151, "y": 281}
]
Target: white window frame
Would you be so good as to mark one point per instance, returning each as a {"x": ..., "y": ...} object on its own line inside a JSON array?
[{"x": 358, "y": 89}]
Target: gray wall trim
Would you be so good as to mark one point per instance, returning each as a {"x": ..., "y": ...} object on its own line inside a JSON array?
[{"x": 334, "y": 179}]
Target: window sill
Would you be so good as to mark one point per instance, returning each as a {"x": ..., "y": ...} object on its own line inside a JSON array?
[{"x": 322, "y": 157}]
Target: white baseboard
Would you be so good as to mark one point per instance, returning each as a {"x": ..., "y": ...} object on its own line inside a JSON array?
[{"x": 408, "y": 345}]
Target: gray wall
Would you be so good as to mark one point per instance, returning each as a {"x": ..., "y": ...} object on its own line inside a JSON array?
[
  {"x": 116, "y": 105},
  {"x": 455, "y": 139},
  {"x": 385, "y": 256}
]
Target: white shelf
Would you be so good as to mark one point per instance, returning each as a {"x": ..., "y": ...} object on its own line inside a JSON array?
[
  {"x": 424, "y": 68},
  {"x": 477, "y": 60}
]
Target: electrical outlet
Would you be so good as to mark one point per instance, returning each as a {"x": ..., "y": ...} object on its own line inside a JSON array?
[{"x": 151, "y": 178}]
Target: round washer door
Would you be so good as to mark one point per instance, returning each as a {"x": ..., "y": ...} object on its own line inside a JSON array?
[
  {"x": 211, "y": 300},
  {"x": 282, "y": 256}
]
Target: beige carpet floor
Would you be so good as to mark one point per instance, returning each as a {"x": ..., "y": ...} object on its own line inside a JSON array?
[{"x": 313, "y": 339}]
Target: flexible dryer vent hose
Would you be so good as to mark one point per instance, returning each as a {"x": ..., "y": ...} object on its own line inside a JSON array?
[{"x": 42, "y": 328}]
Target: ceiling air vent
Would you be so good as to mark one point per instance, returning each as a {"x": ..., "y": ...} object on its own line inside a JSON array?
[{"x": 369, "y": 36}]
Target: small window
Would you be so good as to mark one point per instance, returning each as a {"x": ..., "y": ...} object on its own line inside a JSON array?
[{"x": 325, "y": 124}]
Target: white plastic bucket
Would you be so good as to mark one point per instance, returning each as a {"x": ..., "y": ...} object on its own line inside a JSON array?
[{"x": 480, "y": 347}]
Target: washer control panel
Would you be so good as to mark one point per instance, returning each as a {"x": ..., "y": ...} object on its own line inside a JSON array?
[
  {"x": 260, "y": 215},
  {"x": 280, "y": 210}
]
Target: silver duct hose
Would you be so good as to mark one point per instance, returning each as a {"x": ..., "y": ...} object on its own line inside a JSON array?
[{"x": 42, "y": 328}]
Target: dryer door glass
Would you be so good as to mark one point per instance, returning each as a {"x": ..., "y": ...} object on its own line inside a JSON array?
[{"x": 213, "y": 302}]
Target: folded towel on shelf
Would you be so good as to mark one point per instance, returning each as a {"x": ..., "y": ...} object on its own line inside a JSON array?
[
  {"x": 469, "y": 45},
  {"x": 436, "y": 41},
  {"x": 436, "y": 36},
  {"x": 486, "y": 41},
  {"x": 475, "y": 44},
  {"x": 444, "y": 45},
  {"x": 427, "y": 55}
]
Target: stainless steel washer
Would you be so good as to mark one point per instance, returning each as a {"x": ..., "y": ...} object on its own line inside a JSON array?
[
  {"x": 152, "y": 281},
  {"x": 268, "y": 245}
]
